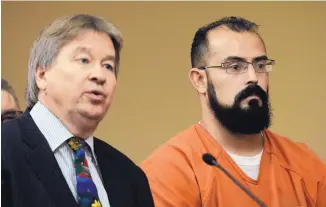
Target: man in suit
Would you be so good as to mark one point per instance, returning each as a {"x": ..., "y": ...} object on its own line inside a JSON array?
[{"x": 49, "y": 156}]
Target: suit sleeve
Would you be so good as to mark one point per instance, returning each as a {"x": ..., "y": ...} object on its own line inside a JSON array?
[
  {"x": 143, "y": 192},
  {"x": 6, "y": 180},
  {"x": 6, "y": 198}
]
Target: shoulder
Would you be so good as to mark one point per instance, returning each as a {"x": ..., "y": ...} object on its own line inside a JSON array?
[
  {"x": 114, "y": 156},
  {"x": 9, "y": 127},
  {"x": 14, "y": 128},
  {"x": 296, "y": 156},
  {"x": 185, "y": 147},
  {"x": 10, "y": 134},
  {"x": 13, "y": 147},
  {"x": 298, "y": 159},
  {"x": 184, "y": 141},
  {"x": 171, "y": 165},
  {"x": 176, "y": 158},
  {"x": 176, "y": 149}
]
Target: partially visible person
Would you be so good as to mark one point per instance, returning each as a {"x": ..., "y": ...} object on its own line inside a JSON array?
[
  {"x": 9, "y": 102},
  {"x": 49, "y": 155},
  {"x": 230, "y": 73}
]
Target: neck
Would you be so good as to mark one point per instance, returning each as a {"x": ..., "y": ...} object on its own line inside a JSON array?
[
  {"x": 240, "y": 144},
  {"x": 77, "y": 124}
]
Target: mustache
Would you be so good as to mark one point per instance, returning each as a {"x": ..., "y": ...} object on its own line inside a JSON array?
[{"x": 250, "y": 91}]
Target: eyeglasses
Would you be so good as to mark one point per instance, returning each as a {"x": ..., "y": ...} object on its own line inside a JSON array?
[
  {"x": 10, "y": 115},
  {"x": 237, "y": 67}
]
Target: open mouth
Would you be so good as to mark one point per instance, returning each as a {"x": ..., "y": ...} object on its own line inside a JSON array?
[
  {"x": 252, "y": 97},
  {"x": 96, "y": 96},
  {"x": 254, "y": 101},
  {"x": 96, "y": 93}
]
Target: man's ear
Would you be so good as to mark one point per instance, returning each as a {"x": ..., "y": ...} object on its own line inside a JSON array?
[
  {"x": 198, "y": 78},
  {"x": 40, "y": 78}
]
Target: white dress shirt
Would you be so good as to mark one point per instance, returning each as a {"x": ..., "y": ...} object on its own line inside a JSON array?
[{"x": 56, "y": 135}]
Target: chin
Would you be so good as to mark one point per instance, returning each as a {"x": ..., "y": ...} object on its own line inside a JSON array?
[
  {"x": 95, "y": 114},
  {"x": 91, "y": 111}
]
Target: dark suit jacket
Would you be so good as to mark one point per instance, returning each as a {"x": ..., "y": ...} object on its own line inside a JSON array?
[{"x": 32, "y": 177}]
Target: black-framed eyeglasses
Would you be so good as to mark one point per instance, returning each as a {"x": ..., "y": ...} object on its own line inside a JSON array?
[
  {"x": 237, "y": 66},
  {"x": 9, "y": 115}
]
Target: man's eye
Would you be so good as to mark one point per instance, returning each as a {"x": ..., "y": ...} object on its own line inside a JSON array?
[
  {"x": 108, "y": 67},
  {"x": 235, "y": 66},
  {"x": 261, "y": 65},
  {"x": 84, "y": 60}
]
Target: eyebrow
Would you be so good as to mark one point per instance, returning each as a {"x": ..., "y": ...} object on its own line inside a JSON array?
[
  {"x": 233, "y": 58},
  {"x": 236, "y": 58},
  {"x": 88, "y": 51},
  {"x": 263, "y": 57},
  {"x": 109, "y": 57}
]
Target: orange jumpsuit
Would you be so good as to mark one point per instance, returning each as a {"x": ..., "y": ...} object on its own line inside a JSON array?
[{"x": 290, "y": 174}]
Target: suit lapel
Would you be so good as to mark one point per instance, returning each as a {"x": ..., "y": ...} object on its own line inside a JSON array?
[
  {"x": 44, "y": 164},
  {"x": 114, "y": 182}
]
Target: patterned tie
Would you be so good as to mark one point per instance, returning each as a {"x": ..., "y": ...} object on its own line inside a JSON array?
[{"x": 86, "y": 189}]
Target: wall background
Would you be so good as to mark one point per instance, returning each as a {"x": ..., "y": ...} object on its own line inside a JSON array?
[{"x": 154, "y": 99}]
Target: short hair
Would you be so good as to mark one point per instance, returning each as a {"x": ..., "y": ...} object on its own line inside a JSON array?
[
  {"x": 5, "y": 86},
  {"x": 200, "y": 44},
  {"x": 60, "y": 32}
]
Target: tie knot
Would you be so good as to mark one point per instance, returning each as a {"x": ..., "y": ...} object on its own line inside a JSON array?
[{"x": 77, "y": 143}]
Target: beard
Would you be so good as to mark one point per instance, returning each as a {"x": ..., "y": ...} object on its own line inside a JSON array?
[{"x": 250, "y": 120}]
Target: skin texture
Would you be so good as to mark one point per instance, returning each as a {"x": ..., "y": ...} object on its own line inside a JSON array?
[
  {"x": 7, "y": 102},
  {"x": 224, "y": 43},
  {"x": 79, "y": 86}
]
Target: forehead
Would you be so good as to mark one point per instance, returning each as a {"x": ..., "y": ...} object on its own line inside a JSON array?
[
  {"x": 7, "y": 101},
  {"x": 6, "y": 96},
  {"x": 91, "y": 41},
  {"x": 224, "y": 43}
]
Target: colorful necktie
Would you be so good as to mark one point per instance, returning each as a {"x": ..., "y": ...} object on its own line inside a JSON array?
[{"x": 86, "y": 189}]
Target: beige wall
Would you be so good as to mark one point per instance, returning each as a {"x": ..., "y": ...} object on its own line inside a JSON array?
[{"x": 154, "y": 98}]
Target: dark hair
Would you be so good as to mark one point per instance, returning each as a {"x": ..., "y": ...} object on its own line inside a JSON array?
[
  {"x": 7, "y": 87},
  {"x": 199, "y": 47}
]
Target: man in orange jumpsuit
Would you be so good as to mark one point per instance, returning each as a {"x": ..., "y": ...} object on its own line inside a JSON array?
[{"x": 230, "y": 72}]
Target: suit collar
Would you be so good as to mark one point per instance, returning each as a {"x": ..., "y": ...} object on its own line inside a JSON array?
[
  {"x": 114, "y": 181},
  {"x": 43, "y": 162}
]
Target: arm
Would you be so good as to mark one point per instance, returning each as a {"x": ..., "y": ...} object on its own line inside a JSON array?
[
  {"x": 143, "y": 192},
  {"x": 6, "y": 194},
  {"x": 6, "y": 180},
  {"x": 10, "y": 155},
  {"x": 171, "y": 178},
  {"x": 321, "y": 195}
]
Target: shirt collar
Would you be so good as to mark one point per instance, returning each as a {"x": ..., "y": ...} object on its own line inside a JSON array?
[{"x": 52, "y": 128}]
